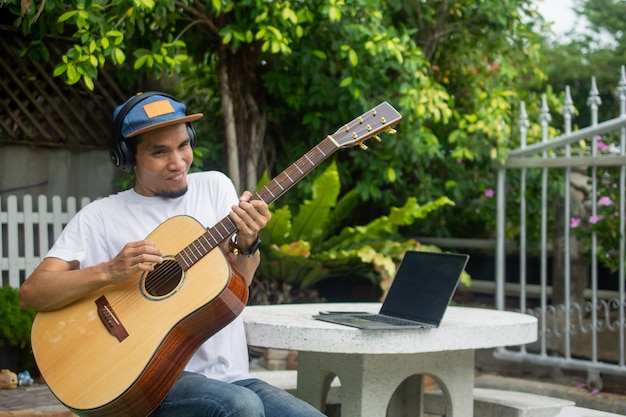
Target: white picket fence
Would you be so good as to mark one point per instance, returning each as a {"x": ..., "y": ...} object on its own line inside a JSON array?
[{"x": 28, "y": 231}]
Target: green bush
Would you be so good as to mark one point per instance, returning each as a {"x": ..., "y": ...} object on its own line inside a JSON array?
[
  {"x": 15, "y": 322},
  {"x": 316, "y": 242}
]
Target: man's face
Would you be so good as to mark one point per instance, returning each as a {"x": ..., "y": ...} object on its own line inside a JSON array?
[{"x": 163, "y": 158}]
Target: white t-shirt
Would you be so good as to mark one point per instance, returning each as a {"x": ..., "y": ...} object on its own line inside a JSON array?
[{"x": 101, "y": 229}]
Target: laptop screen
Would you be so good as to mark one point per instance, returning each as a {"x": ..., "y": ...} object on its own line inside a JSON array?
[{"x": 424, "y": 285}]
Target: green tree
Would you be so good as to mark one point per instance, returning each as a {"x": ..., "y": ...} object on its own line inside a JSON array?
[
  {"x": 283, "y": 75},
  {"x": 486, "y": 55},
  {"x": 305, "y": 247}
]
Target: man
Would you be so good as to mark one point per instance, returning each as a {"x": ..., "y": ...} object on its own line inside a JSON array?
[{"x": 105, "y": 244}]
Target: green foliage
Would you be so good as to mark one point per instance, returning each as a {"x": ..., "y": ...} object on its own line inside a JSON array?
[
  {"x": 103, "y": 30},
  {"x": 453, "y": 69},
  {"x": 309, "y": 246},
  {"x": 16, "y": 322}
]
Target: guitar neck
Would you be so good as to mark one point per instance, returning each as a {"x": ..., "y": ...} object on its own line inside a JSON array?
[
  {"x": 271, "y": 192},
  {"x": 296, "y": 171},
  {"x": 368, "y": 125}
]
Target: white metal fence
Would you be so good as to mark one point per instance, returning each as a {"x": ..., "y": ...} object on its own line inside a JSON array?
[
  {"x": 27, "y": 230},
  {"x": 571, "y": 211}
]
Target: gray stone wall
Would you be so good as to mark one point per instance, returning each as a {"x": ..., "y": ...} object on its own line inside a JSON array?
[{"x": 51, "y": 171}]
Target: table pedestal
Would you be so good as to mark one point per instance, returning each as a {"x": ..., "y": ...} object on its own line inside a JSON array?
[{"x": 369, "y": 381}]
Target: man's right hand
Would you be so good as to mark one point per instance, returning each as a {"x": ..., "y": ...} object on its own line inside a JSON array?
[{"x": 134, "y": 257}]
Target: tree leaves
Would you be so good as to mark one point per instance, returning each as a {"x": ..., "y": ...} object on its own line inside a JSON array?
[{"x": 455, "y": 71}]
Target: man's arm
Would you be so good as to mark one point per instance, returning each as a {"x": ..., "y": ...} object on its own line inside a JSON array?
[{"x": 56, "y": 283}]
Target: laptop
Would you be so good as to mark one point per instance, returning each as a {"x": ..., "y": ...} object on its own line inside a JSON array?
[{"x": 419, "y": 294}]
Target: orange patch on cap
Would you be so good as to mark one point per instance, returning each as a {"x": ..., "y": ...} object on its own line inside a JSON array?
[{"x": 158, "y": 108}]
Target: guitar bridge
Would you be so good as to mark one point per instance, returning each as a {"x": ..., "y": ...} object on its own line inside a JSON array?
[{"x": 110, "y": 319}]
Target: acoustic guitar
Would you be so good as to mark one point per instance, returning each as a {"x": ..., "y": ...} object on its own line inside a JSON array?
[{"x": 118, "y": 350}]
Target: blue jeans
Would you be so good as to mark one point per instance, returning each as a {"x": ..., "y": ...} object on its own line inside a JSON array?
[{"x": 194, "y": 395}]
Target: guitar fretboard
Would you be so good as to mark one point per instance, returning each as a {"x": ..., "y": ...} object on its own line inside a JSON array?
[
  {"x": 296, "y": 171},
  {"x": 272, "y": 191},
  {"x": 380, "y": 118}
]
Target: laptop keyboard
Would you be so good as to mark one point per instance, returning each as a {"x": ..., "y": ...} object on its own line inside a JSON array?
[{"x": 391, "y": 320}]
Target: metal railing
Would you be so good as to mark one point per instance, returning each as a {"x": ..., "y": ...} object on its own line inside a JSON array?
[{"x": 562, "y": 192}]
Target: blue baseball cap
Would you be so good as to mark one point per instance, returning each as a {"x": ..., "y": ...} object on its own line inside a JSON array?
[{"x": 153, "y": 112}]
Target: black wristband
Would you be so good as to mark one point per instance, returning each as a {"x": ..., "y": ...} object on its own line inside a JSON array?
[{"x": 251, "y": 251}]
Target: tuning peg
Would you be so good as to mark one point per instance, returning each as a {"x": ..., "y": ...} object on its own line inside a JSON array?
[
  {"x": 363, "y": 146},
  {"x": 392, "y": 131},
  {"x": 378, "y": 138}
]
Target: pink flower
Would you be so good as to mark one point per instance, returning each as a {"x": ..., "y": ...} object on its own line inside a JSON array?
[
  {"x": 594, "y": 219},
  {"x": 574, "y": 222},
  {"x": 605, "y": 201},
  {"x": 489, "y": 193},
  {"x": 602, "y": 146}
]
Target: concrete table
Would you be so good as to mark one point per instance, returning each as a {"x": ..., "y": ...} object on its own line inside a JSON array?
[{"x": 381, "y": 371}]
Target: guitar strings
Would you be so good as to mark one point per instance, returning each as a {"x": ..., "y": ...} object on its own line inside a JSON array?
[
  {"x": 165, "y": 276},
  {"x": 174, "y": 267}
]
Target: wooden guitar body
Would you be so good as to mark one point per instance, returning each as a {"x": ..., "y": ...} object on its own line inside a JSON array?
[{"x": 94, "y": 373}]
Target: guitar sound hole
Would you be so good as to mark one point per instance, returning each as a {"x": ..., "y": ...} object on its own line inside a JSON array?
[{"x": 164, "y": 279}]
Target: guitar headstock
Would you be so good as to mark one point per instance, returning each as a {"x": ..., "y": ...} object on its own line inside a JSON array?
[{"x": 380, "y": 118}]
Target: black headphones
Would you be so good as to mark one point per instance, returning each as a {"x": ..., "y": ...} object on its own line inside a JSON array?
[{"x": 121, "y": 152}]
